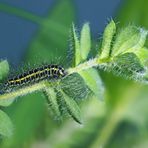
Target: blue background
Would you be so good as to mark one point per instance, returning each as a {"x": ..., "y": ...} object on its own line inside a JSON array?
[{"x": 16, "y": 33}]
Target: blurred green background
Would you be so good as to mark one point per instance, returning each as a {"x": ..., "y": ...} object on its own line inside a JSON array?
[{"x": 121, "y": 120}]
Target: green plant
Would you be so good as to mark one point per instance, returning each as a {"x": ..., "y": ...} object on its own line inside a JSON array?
[{"x": 122, "y": 52}]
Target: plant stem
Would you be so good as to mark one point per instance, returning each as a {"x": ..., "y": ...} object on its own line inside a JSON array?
[
  {"x": 42, "y": 85},
  {"x": 23, "y": 91},
  {"x": 83, "y": 66}
]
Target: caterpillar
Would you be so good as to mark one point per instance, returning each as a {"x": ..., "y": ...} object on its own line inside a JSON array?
[{"x": 51, "y": 71}]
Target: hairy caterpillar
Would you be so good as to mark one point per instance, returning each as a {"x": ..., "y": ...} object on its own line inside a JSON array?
[{"x": 50, "y": 72}]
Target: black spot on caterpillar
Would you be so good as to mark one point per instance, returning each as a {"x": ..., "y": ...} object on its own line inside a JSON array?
[{"x": 48, "y": 72}]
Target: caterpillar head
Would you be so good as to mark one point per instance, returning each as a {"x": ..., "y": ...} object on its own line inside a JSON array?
[{"x": 62, "y": 71}]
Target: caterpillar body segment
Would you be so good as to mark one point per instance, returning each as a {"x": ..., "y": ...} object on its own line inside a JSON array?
[{"x": 48, "y": 72}]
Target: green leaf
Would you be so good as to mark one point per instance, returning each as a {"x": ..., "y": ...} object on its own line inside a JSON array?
[
  {"x": 72, "y": 108},
  {"x": 134, "y": 11},
  {"x": 75, "y": 46},
  {"x": 83, "y": 136},
  {"x": 85, "y": 41},
  {"x": 52, "y": 101},
  {"x": 143, "y": 56},
  {"x": 6, "y": 102},
  {"x": 75, "y": 87},
  {"x": 4, "y": 69},
  {"x": 93, "y": 81},
  {"x": 108, "y": 34},
  {"x": 81, "y": 48},
  {"x": 27, "y": 115},
  {"x": 6, "y": 127},
  {"x": 129, "y": 39},
  {"x": 128, "y": 66}
]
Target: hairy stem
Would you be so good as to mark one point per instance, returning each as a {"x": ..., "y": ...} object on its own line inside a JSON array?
[
  {"x": 23, "y": 91},
  {"x": 86, "y": 65},
  {"x": 42, "y": 85}
]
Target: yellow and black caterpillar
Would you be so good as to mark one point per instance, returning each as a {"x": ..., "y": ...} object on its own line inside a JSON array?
[{"x": 50, "y": 72}]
